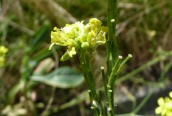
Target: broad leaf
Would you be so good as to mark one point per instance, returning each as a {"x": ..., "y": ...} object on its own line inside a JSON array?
[{"x": 64, "y": 77}]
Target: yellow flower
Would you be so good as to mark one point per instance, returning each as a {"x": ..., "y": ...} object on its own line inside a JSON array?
[
  {"x": 165, "y": 106},
  {"x": 69, "y": 54},
  {"x": 3, "y": 51},
  {"x": 79, "y": 36}
]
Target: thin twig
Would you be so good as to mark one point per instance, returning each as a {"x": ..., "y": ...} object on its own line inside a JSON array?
[{"x": 130, "y": 75}]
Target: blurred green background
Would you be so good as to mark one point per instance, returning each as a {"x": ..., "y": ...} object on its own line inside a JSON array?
[{"x": 144, "y": 29}]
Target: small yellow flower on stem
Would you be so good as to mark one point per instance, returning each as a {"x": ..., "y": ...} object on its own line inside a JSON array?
[
  {"x": 82, "y": 39},
  {"x": 165, "y": 106},
  {"x": 78, "y": 37},
  {"x": 3, "y": 51},
  {"x": 69, "y": 54}
]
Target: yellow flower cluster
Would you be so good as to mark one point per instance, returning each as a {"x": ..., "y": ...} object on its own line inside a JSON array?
[
  {"x": 3, "y": 51},
  {"x": 79, "y": 36},
  {"x": 165, "y": 106}
]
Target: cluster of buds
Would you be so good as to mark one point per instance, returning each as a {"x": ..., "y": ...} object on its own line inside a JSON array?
[
  {"x": 3, "y": 51},
  {"x": 79, "y": 36}
]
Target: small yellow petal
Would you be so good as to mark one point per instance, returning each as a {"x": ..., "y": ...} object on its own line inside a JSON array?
[
  {"x": 158, "y": 110},
  {"x": 3, "y": 50},
  {"x": 160, "y": 101},
  {"x": 170, "y": 94}
]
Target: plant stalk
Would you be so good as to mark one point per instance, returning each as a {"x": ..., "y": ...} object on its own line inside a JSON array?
[
  {"x": 111, "y": 42},
  {"x": 88, "y": 75},
  {"x": 112, "y": 52}
]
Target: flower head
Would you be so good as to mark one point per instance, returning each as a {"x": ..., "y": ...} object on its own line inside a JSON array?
[
  {"x": 165, "y": 106},
  {"x": 3, "y": 51},
  {"x": 79, "y": 36}
]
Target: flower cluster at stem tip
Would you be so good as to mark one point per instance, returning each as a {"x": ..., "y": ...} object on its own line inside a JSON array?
[
  {"x": 3, "y": 51},
  {"x": 78, "y": 37},
  {"x": 165, "y": 106}
]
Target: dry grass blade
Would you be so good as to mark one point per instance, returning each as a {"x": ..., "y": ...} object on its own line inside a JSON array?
[{"x": 53, "y": 10}]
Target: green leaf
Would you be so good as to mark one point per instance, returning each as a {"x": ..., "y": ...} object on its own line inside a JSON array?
[
  {"x": 39, "y": 37},
  {"x": 64, "y": 77},
  {"x": 12, "y": 93}
]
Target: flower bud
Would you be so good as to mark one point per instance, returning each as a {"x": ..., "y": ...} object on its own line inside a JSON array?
[{"x": 85, "y": 45}]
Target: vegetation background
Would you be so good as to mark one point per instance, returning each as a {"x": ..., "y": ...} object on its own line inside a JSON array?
[{"x": 144, "y": 29}]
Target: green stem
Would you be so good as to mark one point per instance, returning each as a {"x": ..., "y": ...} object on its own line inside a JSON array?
[
  {"x": 112, "y": 51},
  {"x": 88, "y": 75},
  {"x": 104, "y": 80},
  {"x": 140, "y": 106},
  {"x": 114, "y": 74},
  {"x": 111, "y": 42},
  {"x": 110, "y": 88},
  {"x": 122, "y": 64},
  {"x": 130, "y": 75},
  {"x": 111, "y": 108}
]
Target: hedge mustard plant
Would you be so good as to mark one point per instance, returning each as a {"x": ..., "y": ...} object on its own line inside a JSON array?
[{"x": 83, "y": 39}]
